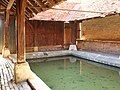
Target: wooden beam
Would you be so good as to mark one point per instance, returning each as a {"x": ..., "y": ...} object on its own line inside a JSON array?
[
  {"x": 37, "y": 3},
  {"x": 32, "y": 6},
  {"x": 79, "y": 30},
  {"x": 5, "y": 50},
  {"x": 10, "y": 4},
  {"x": 102, "y": 12},
  {"x": 73, "y": 26},
  {"x": 27, "y": 13},
  {"x": 21, "y": 6},
  {"x": 2, "y": 10},
  {"x": 5, "y": 30},
  {"x": 5, "y": 5},
  {"x": 31, "y": 11}
]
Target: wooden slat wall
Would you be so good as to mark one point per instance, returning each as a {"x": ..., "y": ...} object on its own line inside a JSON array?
[
  {"x": 1, "y": 31},
  {"x": 12, "y": 43},
  {"x": 44, "y": 33},
  {"x": 38, "y": 33},
  {"x": 29, "y": 34}
]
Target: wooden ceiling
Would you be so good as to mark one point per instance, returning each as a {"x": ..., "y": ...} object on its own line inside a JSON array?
[{"x": 33, "y": 6}]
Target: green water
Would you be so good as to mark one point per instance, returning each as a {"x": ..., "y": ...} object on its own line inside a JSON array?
[{"x": 79, "y": 75}]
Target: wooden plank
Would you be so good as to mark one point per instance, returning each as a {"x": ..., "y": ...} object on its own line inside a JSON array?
[
  {"x": 44, "y": 33},
  {"x": 21, "y": 5},
  {"x": 6, "y": 25},
  {"x": 67, "y": 35},
  {"x": 5, "y": 30},
  {"x": 10, "y": 4},
  {"x": 73, "y": 32}
]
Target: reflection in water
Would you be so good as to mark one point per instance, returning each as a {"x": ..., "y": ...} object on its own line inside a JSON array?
[
  {"x": 65, "y": 63},
  {"x": 72, "y": 59},
  {"x": 75, "y": 75},
  {"x": 119, "y": 73},
  {"x": 80, "y": 67}
]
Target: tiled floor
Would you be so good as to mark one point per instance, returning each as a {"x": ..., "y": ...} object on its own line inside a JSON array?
[{"x": 6, "y": 77}]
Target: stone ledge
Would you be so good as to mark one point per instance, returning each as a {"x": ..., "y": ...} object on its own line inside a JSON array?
[{"x": 97, "y": 57}]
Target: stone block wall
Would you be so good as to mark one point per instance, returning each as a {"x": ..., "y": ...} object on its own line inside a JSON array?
[
  {"x": 111, "y": 47},
  {"x": 107, "y": 28},
  {"x": 101, "y": 35}
]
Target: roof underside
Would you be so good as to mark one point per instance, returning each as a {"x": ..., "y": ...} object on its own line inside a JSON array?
[
  {"x": 68, "y": 11},
  {"x": 33, "y": 6}
]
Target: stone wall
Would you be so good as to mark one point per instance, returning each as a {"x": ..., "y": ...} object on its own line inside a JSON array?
[
  {"x": 101, "y": 35},
  {"x": 107, "y": 28},
  {"x": 111, "y": 47}
]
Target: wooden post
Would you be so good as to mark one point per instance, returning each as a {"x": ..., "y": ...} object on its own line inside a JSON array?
[
  {"x": 73, "y": 32},
  {"x": 5, "y": 31},
  {"x": 22, "y": 70},
  {"x": 21, "y": 5},
  {"x": 36, "y": 45},
  {"x": 64, "y": 36},
  {"x": 67, "y": 35},
  {"x": 79, "y": 30},
  {"x": 5, "y": 50}
]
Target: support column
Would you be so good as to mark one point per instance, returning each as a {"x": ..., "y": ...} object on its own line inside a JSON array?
[
  {"x": 22, "y": 71},
  {"x": 64, "y": 37},
  {"x": 36, "y": 46},
  {"x": 5, "y": 50},
  {"x": 21, "y": 5},
  {"x": 73, "y": 32},
  {"x": 81, "y": 36},
  {"x": 79, "y": 30}
]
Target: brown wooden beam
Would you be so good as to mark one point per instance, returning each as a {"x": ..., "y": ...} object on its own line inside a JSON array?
[
  {"x": 5, "y": 50},
  {"x": 79, "y": 30},
  {"x": 37, "y": 2},
  {"x": 21, "y": 6},
  {"x": 2, "y": 10},
  {"x": 5, "y": 30},
  {"x": 10, "y": 4},
  {"x": 73, "y": 26},
  {"x": 31, "y": 11},
  {"x": 33, "y": 6}
]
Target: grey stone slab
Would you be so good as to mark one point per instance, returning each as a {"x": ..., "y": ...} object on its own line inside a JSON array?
[
  {"x": 109, "y": 59},
  {"x": 6, "y": 74}
]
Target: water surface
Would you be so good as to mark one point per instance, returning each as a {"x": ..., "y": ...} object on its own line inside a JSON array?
[{"x": 72, "y": 74}]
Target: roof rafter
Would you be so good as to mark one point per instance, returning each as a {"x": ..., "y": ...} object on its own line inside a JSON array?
[
  {"x": 32, "y": 5},
  {"x": 10, "y": 4},
  {"x": 31, "y": 11}
]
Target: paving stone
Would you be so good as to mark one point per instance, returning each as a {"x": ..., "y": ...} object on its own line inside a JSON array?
[{"x": 6, "y": 74}]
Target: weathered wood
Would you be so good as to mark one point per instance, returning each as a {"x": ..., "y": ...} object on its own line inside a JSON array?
[
  {"x": 5, "y": 51},
  {"x": 10, "y": 4},
  {"x": 44, "y": 33},
  {"x": 2, "y": 10},
  {"x": 67, "y": 35},
  {"x": 21, "y": 5},
  {"x": 5, "y": 30},
  {"x": 73, "y": 32},
  {"x": 30, "y": 34},
  {"x": 79, "y": 30}
]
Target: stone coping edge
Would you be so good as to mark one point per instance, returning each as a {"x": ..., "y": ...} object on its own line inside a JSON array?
[{"x": 96, "y": 57}]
